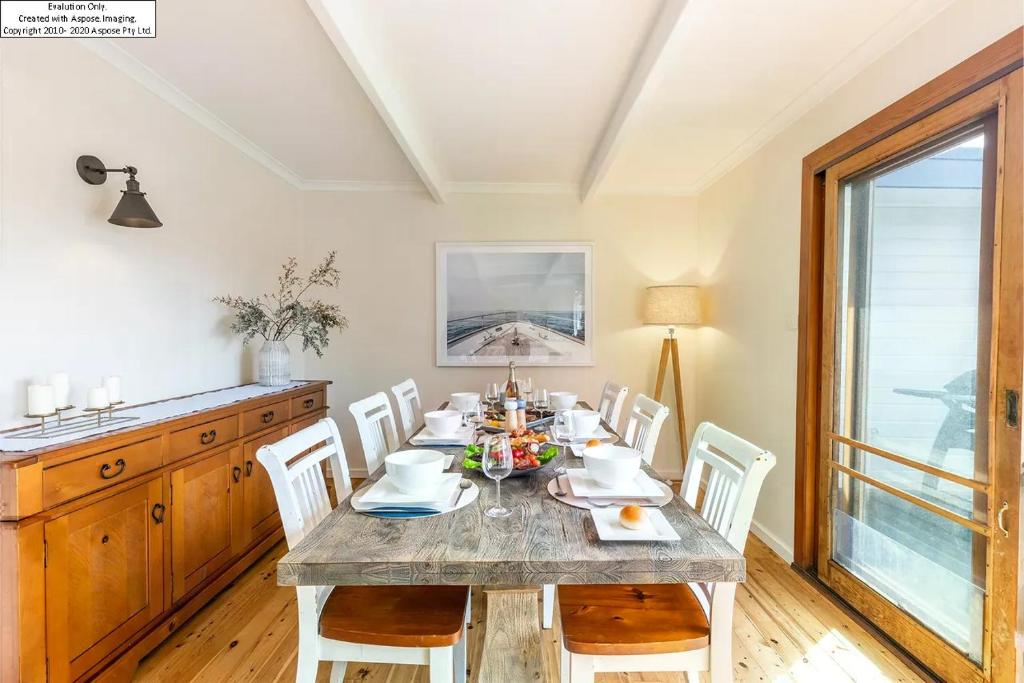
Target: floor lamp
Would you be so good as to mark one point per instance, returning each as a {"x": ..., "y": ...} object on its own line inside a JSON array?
[{"x": 672, "y": 305}]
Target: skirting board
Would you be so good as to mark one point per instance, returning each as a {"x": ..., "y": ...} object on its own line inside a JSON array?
[{"x": 781, "y": 548}]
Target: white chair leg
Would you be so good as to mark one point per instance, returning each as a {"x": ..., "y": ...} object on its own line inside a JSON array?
[
  {"x": 549, "y": 604},
  {"x": 469, "y": 606},
  {"x": 581, "y": 668},
  {"x": 442, "y": 664},
  {"x": 338, "y": 672},
  {"x": 563, "y": 663},
  {"x": 459, "y": 656},
  {"x": 722, "y": 604},
  {"x": 306, "y": 665}
]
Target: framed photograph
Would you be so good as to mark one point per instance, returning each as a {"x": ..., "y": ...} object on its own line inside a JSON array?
[{"x": 531, "y": 302}]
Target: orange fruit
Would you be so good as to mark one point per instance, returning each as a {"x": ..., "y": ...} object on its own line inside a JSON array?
[{"x": 593, "y": 442}]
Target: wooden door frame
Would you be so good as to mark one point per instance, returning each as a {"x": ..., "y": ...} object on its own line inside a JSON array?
[{"x": 991, "y": 64}]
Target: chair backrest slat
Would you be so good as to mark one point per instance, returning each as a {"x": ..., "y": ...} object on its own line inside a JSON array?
[
  {"x": 644, "y": 425},
  {"x": 376, "y": 425},
  {"x": 736, "y": 470},
  {"x": 410, "y": 409},
  {"x": 612, "y": 398},
  {"x": 298, "y": 477}
]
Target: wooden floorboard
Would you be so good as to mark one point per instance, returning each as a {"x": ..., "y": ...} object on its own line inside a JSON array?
[{"x": 785, "y": 630}]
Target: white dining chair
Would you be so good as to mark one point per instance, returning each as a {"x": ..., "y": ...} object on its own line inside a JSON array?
[
  {"x": 603, "y": 627},
  {"x": 644, "y": 425},
  {"x": 376, "y": 425},
  {"x": 612, "y": 399},
  {"x": 379, "y": 624},
  {"x": 410, "y": 409}
]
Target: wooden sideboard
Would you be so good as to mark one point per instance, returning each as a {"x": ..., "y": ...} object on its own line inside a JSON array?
[{"x": 108, "y": 544}]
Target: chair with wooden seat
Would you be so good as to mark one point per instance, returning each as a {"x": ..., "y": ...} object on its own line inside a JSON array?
[
  {"x": 612, "y": 399},
  {"x": 380, "y": 624},
  {"x": 376, "y": 425},
  {"x": 671, "y": 627},
  {"x": 644, "y": 425},
  {"x": 410, "y": 410}
]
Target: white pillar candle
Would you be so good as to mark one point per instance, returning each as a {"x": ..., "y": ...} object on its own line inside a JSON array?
[
  {"x": 113, "y": 386},
  {"x": 97, "y": 399},
  {"x": 61, "y": 384},
  {"x": 40, "y": 399}
]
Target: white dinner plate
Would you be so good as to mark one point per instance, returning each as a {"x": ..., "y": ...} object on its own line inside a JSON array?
[
  {"x": 469, "y": 495},
  {"x": 385, "y": 492},
  {"x": 584, "y": 486},
  {"x": 601, "y": 434},
  {"x": 462, "y": 437},
  {"x": 559, "y": 489},
  {"x": 656, "y": 528}
]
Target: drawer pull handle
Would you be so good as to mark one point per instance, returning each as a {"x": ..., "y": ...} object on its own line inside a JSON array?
[
  {"x": 105, "y": 469},
  {"x": 236, "y": 473},
  {"x": 268, "y": 417},
  {"x": 208, "y": 437},
  {"x": 248, "y": 468},
  {"x": 158, "y": 508},
  {"x": 308, "y": 403}
]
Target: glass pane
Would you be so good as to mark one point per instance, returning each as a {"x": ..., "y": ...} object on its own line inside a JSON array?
[
  {"x": 926, "y": 565},
  {"x": 907, "y": 305},
  {"x": 954, "y": 497}
]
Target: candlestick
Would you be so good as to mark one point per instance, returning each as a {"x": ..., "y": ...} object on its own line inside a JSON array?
[
  {"x": 113, "y": 386},
  {"x": 97, "y": 399},
  {"x": 61, "y": 384},
  {"x": 40, "y": 399}
]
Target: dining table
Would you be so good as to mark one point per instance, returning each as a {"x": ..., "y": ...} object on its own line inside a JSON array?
[{"x": 543, "y": 541}]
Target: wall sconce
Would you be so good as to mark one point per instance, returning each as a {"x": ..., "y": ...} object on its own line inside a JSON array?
[{"x": 133, "y": 211}]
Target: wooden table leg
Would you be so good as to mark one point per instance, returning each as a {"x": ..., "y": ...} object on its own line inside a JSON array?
[{"x": 511, "y": 651}]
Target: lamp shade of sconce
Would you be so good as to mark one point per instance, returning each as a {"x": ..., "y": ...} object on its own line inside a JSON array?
[
  {"x": 133, "y": 211},
  {"x": 672, "y": 305}
]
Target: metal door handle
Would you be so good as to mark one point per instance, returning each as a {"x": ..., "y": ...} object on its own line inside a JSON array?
[
  {"x": 1001, "y": 518},
  {"x": 268, "y": 417},
  {"x": 208, "y": 437},
  {"x": 105, "y": 469},
  {"x": 236, "y": 473},
  {"x": 248, "y": 468},
  {"x": 308, "y": 403},
  {"x": 158, "y": 518}
]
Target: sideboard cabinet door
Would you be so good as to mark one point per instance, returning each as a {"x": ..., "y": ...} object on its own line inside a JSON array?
[
  {"x": 104, "y": 576},
  {"x": 259, "y": 503},
  {"x": 201, "y": 520}
]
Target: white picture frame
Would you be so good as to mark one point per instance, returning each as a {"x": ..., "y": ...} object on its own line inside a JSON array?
[{"x": 531, "y": 302}]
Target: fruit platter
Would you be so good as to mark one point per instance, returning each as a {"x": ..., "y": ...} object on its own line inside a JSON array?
[{"x": 531, "y": 451}]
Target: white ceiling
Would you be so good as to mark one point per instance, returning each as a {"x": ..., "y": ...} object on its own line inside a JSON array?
[{"x": 584, "y": 96}]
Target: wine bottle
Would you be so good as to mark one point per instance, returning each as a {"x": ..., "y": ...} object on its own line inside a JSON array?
[{"x": 511, "y": 386}]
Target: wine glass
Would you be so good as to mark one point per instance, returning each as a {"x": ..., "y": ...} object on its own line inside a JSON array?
[
  {"x": 526, "y": 388},
  {"x": 541, "y": 402},
  {"x": 564, "y": 427},
  {"x": 476, "y": 415},
  {"x": 497, "y": 464},
  {"x": 491, "y": 395}
]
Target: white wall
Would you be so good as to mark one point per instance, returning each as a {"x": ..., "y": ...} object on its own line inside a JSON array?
[
  {"x": 81, "y": 295},
  {"x": 750, "y": 241},
  {"x": 386, "y": 247}
]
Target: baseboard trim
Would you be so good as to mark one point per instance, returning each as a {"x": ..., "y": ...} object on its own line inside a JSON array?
[{"x": 780, "y": 547}]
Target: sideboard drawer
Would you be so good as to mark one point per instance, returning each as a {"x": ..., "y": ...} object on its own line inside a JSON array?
[
  {"x": 260, "y": 418},
  {"x": 186, "y": 442},
  {"x": 79, "y": 477},
  {"x": 307, "y": 403}
]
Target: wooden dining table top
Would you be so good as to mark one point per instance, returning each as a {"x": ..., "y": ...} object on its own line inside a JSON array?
[{"x": 544, "y": 541}]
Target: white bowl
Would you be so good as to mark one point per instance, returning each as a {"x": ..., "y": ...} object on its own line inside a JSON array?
[
  {"x": 610, "y": 466},
  {"x": 465, "y": 401},
  {"x": 563, "y": 400},
  {"x": 443, "y": 422},
  {"x": 415, "y": 471},
  {"x": 584, "y": 422}
]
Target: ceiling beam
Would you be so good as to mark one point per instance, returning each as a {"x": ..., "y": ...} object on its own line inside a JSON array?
[
  {"x": 642, "y": 78},
  {"x": 342, "y": 27}
]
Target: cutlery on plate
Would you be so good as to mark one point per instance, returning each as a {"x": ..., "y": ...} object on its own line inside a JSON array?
[
  {"x": 559, "y": 491},
  {"x": 646, "y": 503},
  {"x": 399, "y": 508},
  {"x": 395, "y": 514},
  {"x": 463, "y": 485}
]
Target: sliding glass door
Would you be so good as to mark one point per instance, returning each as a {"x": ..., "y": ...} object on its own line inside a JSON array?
[{"x": 910, "y": 353}]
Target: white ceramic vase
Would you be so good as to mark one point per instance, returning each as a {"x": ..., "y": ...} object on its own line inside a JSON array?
[{"x": 275, "y": 364}]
